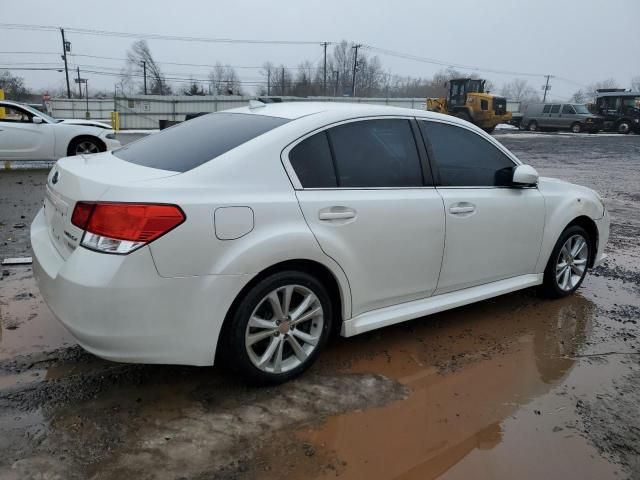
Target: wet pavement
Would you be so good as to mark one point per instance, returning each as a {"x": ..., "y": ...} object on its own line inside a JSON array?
[{"x": 513, "y": 387}]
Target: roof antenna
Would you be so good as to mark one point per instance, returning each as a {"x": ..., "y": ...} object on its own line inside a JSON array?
[{"x": 256, "y": 104}]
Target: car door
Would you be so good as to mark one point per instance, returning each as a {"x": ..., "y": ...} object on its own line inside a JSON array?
[
  {"x": 367, "y": 195},
  {"x": 493, "y": 231},
  {"x": 566, "y": 117},
  {"x": 554, "y": 116},
  {"x": 21, "y": 138}
]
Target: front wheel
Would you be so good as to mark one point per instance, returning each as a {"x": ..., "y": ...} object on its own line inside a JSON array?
[
  {"x": 85, "y": 146},
  {"x": 279, "y": 328},
  {"x": 533, "y": 126},
  {"x": 568, "y": 263},
  {"x": 624, "y": 127},
  {"x": 576, "y": 127}
]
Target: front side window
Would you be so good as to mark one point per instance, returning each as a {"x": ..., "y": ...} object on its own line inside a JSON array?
[
  {"x": 568, "y": 109},
  {"x": 15, "y": 115},
  {"x": 555, "y": 108},
  {"x": 465, "y": 159},
  {"x": 375, "y": 153}
]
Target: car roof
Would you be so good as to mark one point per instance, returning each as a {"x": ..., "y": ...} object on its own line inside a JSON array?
[
  {"x": 618, "y": 94},
  {"x": 295, "y": 110}
]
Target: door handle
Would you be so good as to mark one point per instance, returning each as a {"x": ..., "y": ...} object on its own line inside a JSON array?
[
  {"x": 459, "y": 209},
  {"x": 336, "y": 213}
]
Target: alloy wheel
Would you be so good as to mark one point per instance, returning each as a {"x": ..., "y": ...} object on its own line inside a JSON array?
[
  {"x": 86, "y": 147},
  {"x": 572, "y": 262},
  {"x": 284, "y": 329}
]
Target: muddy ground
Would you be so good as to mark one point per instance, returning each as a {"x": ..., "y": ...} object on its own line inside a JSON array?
[{"x": 513, "y": 387}]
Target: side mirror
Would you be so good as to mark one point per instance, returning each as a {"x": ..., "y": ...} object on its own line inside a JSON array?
[
  {"x": 524, "y": 176},
  {"x": 37, "y": 120}
]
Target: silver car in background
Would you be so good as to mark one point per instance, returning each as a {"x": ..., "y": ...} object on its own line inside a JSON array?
[{"x": 561, "y": 116}]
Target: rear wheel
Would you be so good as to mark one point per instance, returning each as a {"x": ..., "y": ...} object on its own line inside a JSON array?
[
  {"x": 568, "y": 263},
  {"x": 576, "y": 127},
  {"x": 85, "y": 146},
  {"x": 279, "y": 328},
  {"x": 533, "y": 126},
  {"x": 624, "y": 127}
]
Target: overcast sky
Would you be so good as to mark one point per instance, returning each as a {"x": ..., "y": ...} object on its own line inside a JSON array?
[{"x": 578, "y": 41}]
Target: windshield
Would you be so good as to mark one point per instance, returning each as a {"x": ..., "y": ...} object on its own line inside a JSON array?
[
  {"x": 40, "y": 114},
  {"x": 581, "y": 109}
]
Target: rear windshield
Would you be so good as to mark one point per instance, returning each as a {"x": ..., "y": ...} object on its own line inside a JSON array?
[{"x": 194, "y": 142}]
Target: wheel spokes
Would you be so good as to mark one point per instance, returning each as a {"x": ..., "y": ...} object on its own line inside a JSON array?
[
  {"x": 305, "y": 337},
  {"x": 284, "y": 329}
]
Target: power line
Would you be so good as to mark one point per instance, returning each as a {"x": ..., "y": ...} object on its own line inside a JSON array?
[
  {"x": 153, "y": 36},
  {"x": 443, "y": 63}
]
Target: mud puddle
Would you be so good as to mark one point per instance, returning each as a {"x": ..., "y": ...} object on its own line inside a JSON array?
[
  {"x": 496, "y": 388},
  {"x": 26, "y": 323}
]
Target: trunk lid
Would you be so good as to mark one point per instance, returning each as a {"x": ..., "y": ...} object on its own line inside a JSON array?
[{"x": 85, "y": 178}]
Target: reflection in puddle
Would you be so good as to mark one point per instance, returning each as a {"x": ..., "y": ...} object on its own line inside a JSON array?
[{"x": 469, "y": 370}]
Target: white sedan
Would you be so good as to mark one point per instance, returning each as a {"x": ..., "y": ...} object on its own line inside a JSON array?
[
  {"x": 28, "y": 134},
  {"x": 247, "y": 236}
]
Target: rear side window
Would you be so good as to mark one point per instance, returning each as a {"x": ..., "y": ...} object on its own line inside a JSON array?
[
  {"x": 546, "y": 109},
  {"x": 194, "y": 142},
  {"x": 376, "y": 153},
  {"x": 555, "y": 108},
  {"x": 465, "y": 159},
  {"x": 311, "y": 159}
]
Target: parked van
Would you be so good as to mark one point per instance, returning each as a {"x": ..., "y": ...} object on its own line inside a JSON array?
[{"x": 560, "y": 116}]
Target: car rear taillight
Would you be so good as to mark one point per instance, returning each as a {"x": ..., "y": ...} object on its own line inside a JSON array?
[{"x": 123, "y": 227}]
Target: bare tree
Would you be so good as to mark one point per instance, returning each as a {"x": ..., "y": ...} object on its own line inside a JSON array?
[
  {"x": 139, "y": 58},
  {"x": 13, "y": 86},
  {"x": 607, "y": 83},
  {"x": 194, "y": 89},
  {"x": 519, "y": 90},
  {"x": 580, "y": 97},
  {"x": 223, "y": 80},
  {"x": 635, "y": 84}
]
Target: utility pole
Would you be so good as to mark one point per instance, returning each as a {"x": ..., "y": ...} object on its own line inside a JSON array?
[
  {"x": 144, "y": 73},
  {"x": 335, "y": 89},
  {"x": 324, "y": 70},
  {"x": 282, "y": 78},
  {"x": 66, "y": 47},
  {"x": 545, "y": 88},
  {"x": 268, "y": 81},
  {"x": 79, "y": 83},
  {"x": 355, "y": 68}
]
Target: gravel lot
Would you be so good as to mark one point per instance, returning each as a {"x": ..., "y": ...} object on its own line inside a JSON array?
[{"x": 512, "y": 387}]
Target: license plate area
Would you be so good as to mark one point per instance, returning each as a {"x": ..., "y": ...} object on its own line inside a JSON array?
[{"x": 56, "y": 213}]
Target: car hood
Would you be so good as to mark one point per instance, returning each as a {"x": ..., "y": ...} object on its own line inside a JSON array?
[{"x": 87, "y": 123}]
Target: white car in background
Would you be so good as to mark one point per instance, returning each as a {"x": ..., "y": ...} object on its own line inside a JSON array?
[
  {"x": 28, "y": 134},
  {"x": 246, "y": 236}
]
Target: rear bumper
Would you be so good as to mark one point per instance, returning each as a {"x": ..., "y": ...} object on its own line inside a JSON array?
[{"x": 119, "y": 308}]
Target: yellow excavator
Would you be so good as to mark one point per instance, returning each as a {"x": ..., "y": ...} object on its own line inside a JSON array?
[{"x": 468, "y": 100}]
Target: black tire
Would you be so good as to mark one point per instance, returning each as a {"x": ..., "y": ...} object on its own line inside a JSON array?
[
  {"x": 624, "y": 127},
  {"x": 550, "y": 287},
  {"x": 85, "y": 145},
  {"x": 576, "y": 127},
  {"x": 533, "y": 126},
  {"x": 489, "y": 130},
  {"x": 234, "y": 350}
]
